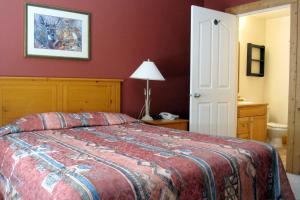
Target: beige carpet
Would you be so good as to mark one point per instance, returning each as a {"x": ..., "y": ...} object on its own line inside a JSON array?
[{"x": 295, "y": 183}]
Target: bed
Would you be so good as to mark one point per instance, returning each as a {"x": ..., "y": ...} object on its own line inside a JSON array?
[{"x": 84, "y": 154}]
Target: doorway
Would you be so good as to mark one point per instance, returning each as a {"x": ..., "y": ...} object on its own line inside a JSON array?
[
  {"x": 293, "y": 152},
  {"x": 264, "y": 54}
]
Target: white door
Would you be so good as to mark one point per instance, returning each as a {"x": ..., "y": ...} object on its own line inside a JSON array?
[{"x": 213, "y": 80}]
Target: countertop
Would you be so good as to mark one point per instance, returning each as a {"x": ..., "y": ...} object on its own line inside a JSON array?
[{"x": 250, "y": 103}]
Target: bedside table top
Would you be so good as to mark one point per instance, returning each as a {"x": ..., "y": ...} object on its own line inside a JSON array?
[{"x": 164, "y": 121}]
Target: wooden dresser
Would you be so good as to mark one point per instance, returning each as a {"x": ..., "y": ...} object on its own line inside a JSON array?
[{"x": 252, "y": 121}]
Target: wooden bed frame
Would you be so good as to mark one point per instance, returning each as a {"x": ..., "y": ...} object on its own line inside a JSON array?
[{"x": 21, "y": 96}]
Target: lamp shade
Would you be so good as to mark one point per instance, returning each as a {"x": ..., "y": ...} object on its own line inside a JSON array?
[{"x": 147, "y": 71}]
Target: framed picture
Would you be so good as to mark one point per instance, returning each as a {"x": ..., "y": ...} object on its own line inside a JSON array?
[{"x": 56, "y": 32}]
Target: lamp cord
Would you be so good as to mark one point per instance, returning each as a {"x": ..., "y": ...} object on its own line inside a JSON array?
[{"x": 142, "y": 112}]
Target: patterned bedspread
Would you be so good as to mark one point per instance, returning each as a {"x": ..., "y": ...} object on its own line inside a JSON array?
[{"x": 112, "y": 156}]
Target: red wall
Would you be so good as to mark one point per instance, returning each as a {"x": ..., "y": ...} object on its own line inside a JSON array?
[
  {"x": 223, "y": 4},
  {"x": 123, "y": 34}
]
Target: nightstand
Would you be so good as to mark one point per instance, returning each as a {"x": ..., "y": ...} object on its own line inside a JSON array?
[{"x": 181, "y": 124}]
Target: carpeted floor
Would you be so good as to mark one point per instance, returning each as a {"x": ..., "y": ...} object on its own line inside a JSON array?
[{"x": 295, "y": 183}]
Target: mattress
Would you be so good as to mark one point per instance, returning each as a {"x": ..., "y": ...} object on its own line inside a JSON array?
[{"x": 113, "y": 156}]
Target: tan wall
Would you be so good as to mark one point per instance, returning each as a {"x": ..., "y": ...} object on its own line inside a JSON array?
[
  {"x": 277, "y": 68},
  {"x": 273, "y": 88},
  {"x": 251, "y": 30}
]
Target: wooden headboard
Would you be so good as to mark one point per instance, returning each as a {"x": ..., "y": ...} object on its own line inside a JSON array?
[{"x": 21, "y": 96}]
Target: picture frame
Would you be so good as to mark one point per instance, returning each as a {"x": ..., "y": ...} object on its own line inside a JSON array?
[{"x": 56, "y": 32}]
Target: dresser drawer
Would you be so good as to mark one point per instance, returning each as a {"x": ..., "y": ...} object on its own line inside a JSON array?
[
  {"x": 249, "y": 111},
  {"x": 243, "y": 125},
  {"x": 179, "y": 126}
]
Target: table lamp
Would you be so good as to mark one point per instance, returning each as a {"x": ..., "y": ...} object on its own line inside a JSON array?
[{"x": 147, "y": 71}]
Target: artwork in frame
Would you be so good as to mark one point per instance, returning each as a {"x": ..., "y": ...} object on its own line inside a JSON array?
[{"x": 56, "y": 32}]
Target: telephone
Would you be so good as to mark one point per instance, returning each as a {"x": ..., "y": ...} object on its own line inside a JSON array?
[{"x": 168, "y": 116}]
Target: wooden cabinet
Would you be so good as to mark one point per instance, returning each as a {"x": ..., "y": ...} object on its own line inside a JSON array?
[
  {"x": 258, "y": 128},
  {"x": 181, "y": 124},
  {"x": 252, "y": 121},
  {"x": 243, "y": 128}
]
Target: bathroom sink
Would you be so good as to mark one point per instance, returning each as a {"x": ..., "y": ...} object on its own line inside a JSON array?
[{"x": 245, "y": 102}]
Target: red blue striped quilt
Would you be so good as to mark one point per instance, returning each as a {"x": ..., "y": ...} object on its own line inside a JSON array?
[{"x": 97, "y": 156}]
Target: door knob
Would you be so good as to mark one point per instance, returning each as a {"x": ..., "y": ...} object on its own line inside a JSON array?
[{"x": 197, "y": 95}]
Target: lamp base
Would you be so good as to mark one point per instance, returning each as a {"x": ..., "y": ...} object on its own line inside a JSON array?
[{"x": 147, "y": 118}]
